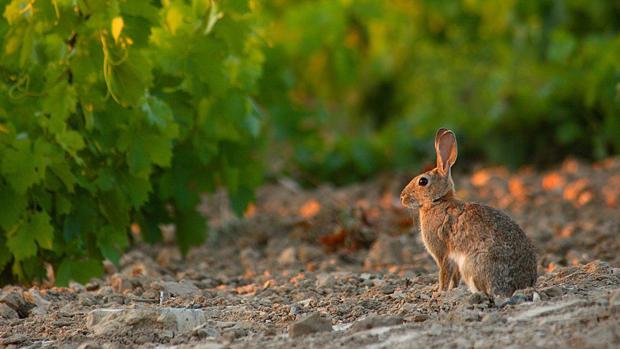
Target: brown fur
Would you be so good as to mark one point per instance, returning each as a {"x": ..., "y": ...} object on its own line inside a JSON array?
[{"x": 477, "y": 243}]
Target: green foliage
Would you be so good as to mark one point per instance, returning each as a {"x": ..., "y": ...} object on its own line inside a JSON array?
[
  {"x": 352, "y": 86},
  {"x": 115, "y": 112}
]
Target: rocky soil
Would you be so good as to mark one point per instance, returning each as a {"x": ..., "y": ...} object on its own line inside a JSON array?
[{"x": 345, "y": 268}]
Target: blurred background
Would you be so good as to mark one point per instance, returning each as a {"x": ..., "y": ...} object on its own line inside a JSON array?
[
  {"x": 354, "y": 87},
  {"x": 116, "y": 116}
]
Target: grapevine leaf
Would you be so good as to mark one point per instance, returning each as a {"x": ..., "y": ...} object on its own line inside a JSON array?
[
  {"x": 5, "y": 253},
  {"x": 71, "y": 141},
  {"x": 24, "y": 165},
  {"x": 79, "y": 270},
  {"x": 138, "y": 190},
  {"x": 115, "y": 208},
  {"x": 207, "y": 60},
  {"x": 23, "y": 242},
  {"x": 157, "y": 111},
  {"x": 13, "y": 206},
  {"x": 191, "y": 229},
  {"x": 240, "y": 199},
  {"x": 60, "y": 103},
  {"x": 62, "y": 171},
  {"x": 112, "y": 242},
  {"x": 128, "y": 76}
]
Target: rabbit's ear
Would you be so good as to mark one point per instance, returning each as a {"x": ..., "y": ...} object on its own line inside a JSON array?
[
  {"x": 445, "y": 146},
  {"x": 438, "y": 135}
]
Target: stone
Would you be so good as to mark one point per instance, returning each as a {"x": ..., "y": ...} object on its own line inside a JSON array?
[
  {"x": 543, "y": 310},
  {"x": 536, "y": 297},
  {"x": 89, "y": 345},
  {"x": 249, "y": 258},
  {"x": 109, "y": 268},
  {"x": 206, "y": 331},
  {"x": 385, "y": 251},
  {"x": 374, "y": 321},
  {"x": 41, "y": 305},
  {"x": 185, "y": 288},
  {"x": 288, "y": 256},
  {"x": 87, "y": 299},
  {"x": 553, "y": 291},
  {"x": 76, "y": 286},
  {"x": 325, "y": 280},
  {"x": 15, "y": 301},
  {"x": 388, "y": 289},
  {"x": 168, "y": 322},
  {"x": 312, "y": 323},
  {"x": 308, "y": 253},
  {"x": 7, "y": 312},
  {"x": 120, "y": 283},
  {"x": 419, "y": 317},
  {"x": 514, "y": 300},
  {"x": 614, "y": 301},
  {"x": 167, "y": 256},
  {"x": 477, "y": 298}
]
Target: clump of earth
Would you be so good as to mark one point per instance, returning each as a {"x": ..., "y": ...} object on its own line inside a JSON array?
[{"x": 344, "y": 267}]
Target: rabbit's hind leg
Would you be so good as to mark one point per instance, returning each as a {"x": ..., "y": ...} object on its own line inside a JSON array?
[{"x": 474, "y": 275}]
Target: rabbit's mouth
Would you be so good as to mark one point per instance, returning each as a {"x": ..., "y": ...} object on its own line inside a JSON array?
[{"x": 409, "y": 202}]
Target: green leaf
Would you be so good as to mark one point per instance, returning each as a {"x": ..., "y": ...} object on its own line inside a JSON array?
[
  {"x": 240, "y": 199},
  {"x": 127, "y": 74},
  {"x": 138, "y": 190},
  {"x": 62, "y": 171},
  {"x": 191, "y": 229},
  {"x": 112, "y": 242},
  {"x": 115, "y": 208},
  {"x": 38, "y": 230},
  {"x": 5, "y": 253},
  {"x": 157, "y": 111},
  {"x": 79, "y": 270},
  {"x": 60, "y": 102},
  {"x": 146, "y": 149},
  {"x": 24, "y": 165},
  {"x": 71, "y": 141},
  {"x": 13, "y": 206}
]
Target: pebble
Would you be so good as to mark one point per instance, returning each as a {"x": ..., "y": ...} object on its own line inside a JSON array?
[
  {"x": 553, "y": 291},
  {"x": 16, "y": 301},
  {"x": 249, "y": 258},
  {"x": 41, "y": 305},
  {"x": 388, "y": 289},
  {"x": 386, "y": 250},
  {"x": 614, "y": 302},
  {"x": 419, "y": 317},
  {"x": 288, "y": 256},
  {"x": 87, "y": 299},
  {"x": 76, "y": 286},
  {"x": 7, "y": 312},
  {"x": 373, "y": 321},
  {"x": 308, "y": 253},
  {"x": 168, "y": 322},
  {"x": 185, "y": 288},
  {"x": 89, "y": 345},
  {"x": 120, "y": 283},
  {"x": 325, "y": 280},
  {"x": 312, "y": 323},
  {"x": 477, "y": 298},
  {"x": 514, "y": 300}
]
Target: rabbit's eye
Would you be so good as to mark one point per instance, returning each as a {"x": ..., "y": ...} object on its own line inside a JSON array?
[{"x": 423, "y": 181}]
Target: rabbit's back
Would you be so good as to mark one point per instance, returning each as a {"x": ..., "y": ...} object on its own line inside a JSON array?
[{"x": 494, "y": 253}]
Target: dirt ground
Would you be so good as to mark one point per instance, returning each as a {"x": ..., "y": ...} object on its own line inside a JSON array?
[{"x": 344, "y": 267}]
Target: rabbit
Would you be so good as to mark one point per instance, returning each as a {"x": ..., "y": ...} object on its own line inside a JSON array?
[{"x": 469, "y": 241}]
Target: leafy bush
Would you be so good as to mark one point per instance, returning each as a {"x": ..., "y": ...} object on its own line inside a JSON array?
[
  {"x": 353, "y": 86},
  {"x": 115, "y": 112}
]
